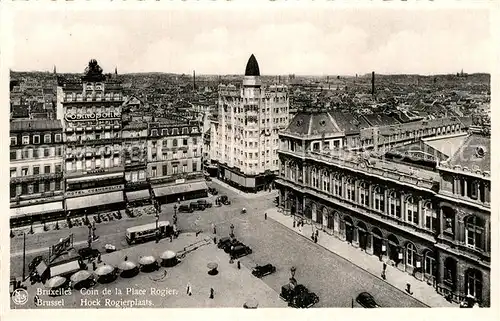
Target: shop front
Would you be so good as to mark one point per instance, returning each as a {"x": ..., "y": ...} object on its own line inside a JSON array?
[
  {"x": 180, "y": 192},
  {"x": 44, "y": 212},
  {"x": 96, "y": 203}
]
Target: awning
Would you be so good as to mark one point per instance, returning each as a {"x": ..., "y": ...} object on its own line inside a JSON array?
[
  {"x": 36, "y": 209},
  {"x": 180, "y": 188},
  {"x": 138, "y": 195},
  {"x": 94, "y": 200},
  {"x": 93, "y": 178},
  {"x": 65, "y": 268}
]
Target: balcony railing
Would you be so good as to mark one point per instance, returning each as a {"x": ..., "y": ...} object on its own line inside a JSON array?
[{"x": 35, "y": 178}]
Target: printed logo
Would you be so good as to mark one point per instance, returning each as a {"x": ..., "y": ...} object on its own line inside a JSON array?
[{"x": 20, "y": 296}]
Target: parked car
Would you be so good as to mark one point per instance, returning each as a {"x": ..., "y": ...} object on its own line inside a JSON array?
[
  {"x": 212, "y": 191},
  {"x": 86, "y": 253},
  {"x": 223, "y": 242},
  {"x": 263, "y": 270},
  {"x": 204, "y": 203},
  {"x": 366, "y": 300},
  {"x": 185, "y": 209},
  {"x": 34, "y": 263},
  {"x": 196, "y": 206},
  {"x": 240, "y": 251},
  {"x": 298, "y": 296},
  {"x": 224, "y": 200},
  {"x": 233, "y": 243}
]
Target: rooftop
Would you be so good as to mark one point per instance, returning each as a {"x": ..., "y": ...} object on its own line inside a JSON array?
[
  {"x": 252, "y": 67},
  {"x": 474, "y": 154}
]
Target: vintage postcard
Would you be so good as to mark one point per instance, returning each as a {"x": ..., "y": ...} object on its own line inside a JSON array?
[{"x": 227, "y": 155}]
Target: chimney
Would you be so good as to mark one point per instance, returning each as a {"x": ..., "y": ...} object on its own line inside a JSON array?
[
  {"x": 194, "y": 80},
  {"x": 373, "y": 83}
]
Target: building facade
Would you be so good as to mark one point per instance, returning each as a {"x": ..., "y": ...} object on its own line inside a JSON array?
[
  {"x": 244, "y": 138},
  {"x": 432, "y": 223},
  {"x": 174, "y": 167},
  {"x": 90, "y": 111},
  {"x": 36, "y": 173}
]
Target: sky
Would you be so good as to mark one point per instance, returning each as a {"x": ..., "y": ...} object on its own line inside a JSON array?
[{"x": 302, "y": 41}]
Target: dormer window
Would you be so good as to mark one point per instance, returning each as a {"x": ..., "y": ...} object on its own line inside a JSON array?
[{"x": 480, "y": 152}]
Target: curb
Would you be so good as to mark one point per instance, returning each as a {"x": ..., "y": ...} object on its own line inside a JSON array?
[{"x": 345, "y": 259}]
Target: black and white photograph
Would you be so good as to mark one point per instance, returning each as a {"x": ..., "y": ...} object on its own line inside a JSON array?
[{"x": 250, "y": 157}]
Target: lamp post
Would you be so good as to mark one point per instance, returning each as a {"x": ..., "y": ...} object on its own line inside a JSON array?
[
  {"x": 175, "y": 214},
  {"x": 89, "y": 240},
  {"x": 232, "y": 230},
  {"x": 157, "y": 230},
  {"x": 292, "y": 272}
]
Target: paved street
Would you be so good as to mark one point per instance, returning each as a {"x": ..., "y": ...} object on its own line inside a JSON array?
[
  {"x": 167, "y": 287},
  {"x": 335, "y": 280}
]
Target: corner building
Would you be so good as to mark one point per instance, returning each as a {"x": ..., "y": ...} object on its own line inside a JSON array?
[
  {"x": 91, "y": 112},
  {"x": 36, "y": 175},
  {"x": 244, "y": 138},
  {"x": 433, "y": 223}
]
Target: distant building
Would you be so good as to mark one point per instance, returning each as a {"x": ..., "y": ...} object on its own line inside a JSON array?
[
  {"x": 36, "y": 173},
  {"x": 91, "y": 112},
  {"x": 174, "y": 167},
  {"x": 244, "y": 138}
]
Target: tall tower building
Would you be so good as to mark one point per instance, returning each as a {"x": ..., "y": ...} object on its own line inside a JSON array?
[
  {"x": 245, "y": 135},
  {"x": 90, "y": 111}
]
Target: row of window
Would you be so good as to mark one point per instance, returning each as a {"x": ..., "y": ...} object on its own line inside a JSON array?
[
  {"x": 173, "y": 169},
  {"x": 173, "y": 131},
  {"x": 91, "y": 164},
  {"x": 34, "y": 170},
  {"x": 29, "y": 189},
  {"x": 176, "y": 142},
  {"x": 92, "y": 136},
  {"x": 93, "y": 109},
  {"x": 135, "y": 176},
  {"x": 168, "y": 155},
  {"x": 36, "y": 139},
  {"x": 30, "y": 153}
]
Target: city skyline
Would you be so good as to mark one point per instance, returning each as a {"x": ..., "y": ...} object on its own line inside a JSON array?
[{"x": 325, "y": 42}]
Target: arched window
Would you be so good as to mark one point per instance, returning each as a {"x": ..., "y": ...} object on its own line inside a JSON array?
[
  {"x": 429, "y": 263},
  {"x": 411, "y": 210},
  {"x": 379, "y": 199},
  {"x": 411, "y": 255},
  {"x": 351, "y": 191},
  {"x": 474, "y": 283},
  {"x": 314, "y": 179},
  {"x": 337, "y": 185},
  {"x": 474, "y": 230},
  {"x": 364, "y": 195},
  {"x": 395, "y": 204},
  {"x": 450, "y": 271},
  {"x": 326, "y": 181},
  {"x": 430, "y": 217}
]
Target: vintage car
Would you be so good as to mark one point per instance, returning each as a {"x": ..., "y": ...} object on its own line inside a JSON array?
[
  {"x": 87, "y": 253},
  {"x": 233, "y": 243},
  {"x": 240, "y": 251},
  {"x": 204, "y": 203},
  {"x": 223, "y": 242},
  {"x": 225, "y": 200},
  {"x": 263, "y": 270},
  {"x": 298, "y": 296},
  {"x": 366, "y": 300},
  {"x": 185, "y": 209}
]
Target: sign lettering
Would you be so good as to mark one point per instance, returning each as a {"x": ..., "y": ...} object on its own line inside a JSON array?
[{"x": 91, "y": 116}]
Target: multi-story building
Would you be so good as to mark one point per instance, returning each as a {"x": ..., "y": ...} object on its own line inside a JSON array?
[
  {"x": 91, "y": 112},
  {"x": 244, "y": 139},
  {"x": 36, "y": 173},
  {"x": 174, "y": 166},
  {"x": 432, "y": 222},
  {"x": 135, "y": 154}
]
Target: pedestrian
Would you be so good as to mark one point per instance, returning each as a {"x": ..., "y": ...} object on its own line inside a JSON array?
[
  {"x": 94, "y": 266},
  {"x": 99, "y": 258},
  {"x": 239, "y": 265},
  {"x": 215, "y": 240},
  {"x": 317, "y": 233},
  {"x": 294, "y": 224},
  {"x": 211, "y": 293},
  {"x": 265, "y": 216},
  {"x": 188, "y": 289},
  {"x": 383, "y": 275},
  {"x": 126, "y": 258},
  {"x": 316, "y": 239},
  {"x": 171, "y": 238},
  {"x": 384, "y": 266}
]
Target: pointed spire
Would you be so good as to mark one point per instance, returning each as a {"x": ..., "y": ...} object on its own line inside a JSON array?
[
  {"x": 116, "y": 70},
  {"x": 252, "y": 68},
  {"x": 55, "y": 71}
]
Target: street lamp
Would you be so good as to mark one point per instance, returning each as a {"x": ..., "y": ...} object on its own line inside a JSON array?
[
  {"x": 175, "y": 214},
  {"x": 89, "y": 240},
  {"x": 157, "y": 230}
]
